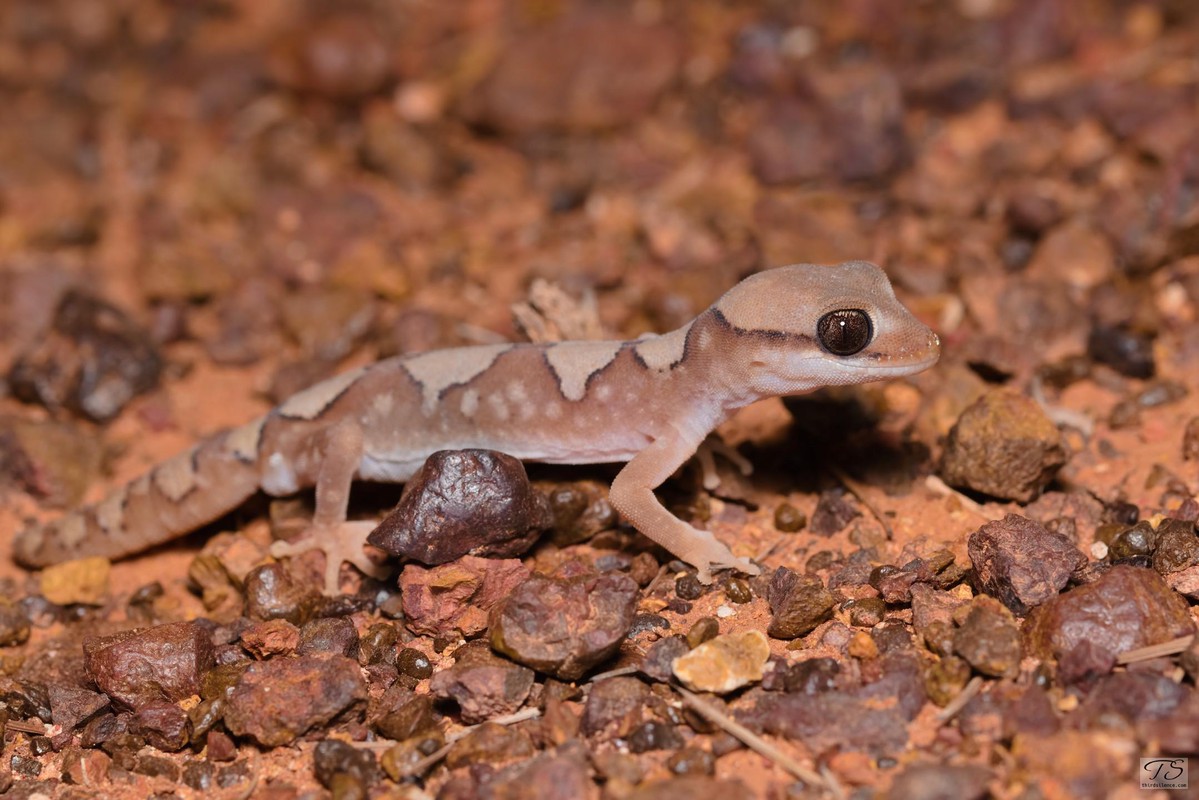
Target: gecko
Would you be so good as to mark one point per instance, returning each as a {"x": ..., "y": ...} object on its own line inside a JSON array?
[{"x": 649, "y": 402}]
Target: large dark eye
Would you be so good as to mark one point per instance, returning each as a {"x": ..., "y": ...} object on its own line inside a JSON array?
[{"x": 844, "y": 332}]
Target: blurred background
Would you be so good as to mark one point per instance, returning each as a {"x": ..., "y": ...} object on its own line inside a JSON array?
[
  {"x": 204, "y": 164},
  {"x": 233, "y": 199}
]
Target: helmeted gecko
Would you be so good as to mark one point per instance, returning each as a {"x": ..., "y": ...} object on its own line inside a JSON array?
[{"x": 650, "y": 401}]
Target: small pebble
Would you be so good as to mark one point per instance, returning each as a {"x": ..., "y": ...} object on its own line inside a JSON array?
[
  {"x": 140, "y": 667},
  {"x": 1126, "y": 608},
  {"x": 402, "y": 761},
  {"x": 653, "y": 735},
  {"x": 688, "y": 587},
  {"x": 414, "y": 663},
  {"x": 692, "y": 761},
  {"x": 705, "y": 629},
  {"x": 789, "y": 519},
  {"x": 84, "y": 580},
  {"x": 798, "y": 603},
  {"x": 378, "y": 644},
  {"x": 1003, "y": 445},
  {"x": 1190, "y": 440},
  {"x": 332, "y": 757},
  {"x": 1126, "y": 351},
  {"x": 1020, "y": 562},
  {"x": 14, "y": 624},
  {"x": 738, "y": 591},
  {"x": 482, "y": 684},
  {"x": 945, "y": 678},
  {"x": 866, "y": 612},
  {"x": 279, "y": 700},
  {"x": 1139, "y": 540},
  {"x": 989, "y": 639},
  {"x": 724, "y": 663}
]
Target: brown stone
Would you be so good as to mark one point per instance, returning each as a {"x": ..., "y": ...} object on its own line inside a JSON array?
[
  {"x": 139, "y": 667},
  {"x": 464, "y": 502},
  {"x": 277, "y": 701},
  {"x": 1003, "y": 445},
  {"x": 1126, "y": 608},
  {"x": 565, "y": 626}
]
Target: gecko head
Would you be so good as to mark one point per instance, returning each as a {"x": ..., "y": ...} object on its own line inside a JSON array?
[{"x": 806, "y": 326}]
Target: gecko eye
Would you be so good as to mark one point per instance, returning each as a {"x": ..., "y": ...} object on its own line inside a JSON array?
[{"x": 845, "y": 331}]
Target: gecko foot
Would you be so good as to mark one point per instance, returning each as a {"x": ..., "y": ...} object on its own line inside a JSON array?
[
  {"x": 708, "y": 554},
  {"x": 742, "y": 565},
  {"x": 341, "y": 542}
]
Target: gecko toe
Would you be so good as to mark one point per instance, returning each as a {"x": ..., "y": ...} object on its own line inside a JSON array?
[{"x": 341, "y": 544}]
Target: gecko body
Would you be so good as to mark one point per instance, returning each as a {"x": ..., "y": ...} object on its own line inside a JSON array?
[{"x": 649, "y": 402}]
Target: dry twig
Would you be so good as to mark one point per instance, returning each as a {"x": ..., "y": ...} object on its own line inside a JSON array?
[
  {"x": 752, "y": 740},
  {"x": 958, "y": 703},
  {"x": 1156, "y": 650}
]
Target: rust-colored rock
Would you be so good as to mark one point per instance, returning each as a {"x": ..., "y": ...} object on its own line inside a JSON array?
[
  {"x": 401, "y": 713},
  {"x": 989, "y": 639},
  {"x": 271, "y": 638},
  {"x": 483, "y": 684},
  {"x": 798, "y": 603},
  {"x": 464, "y": 502},
  {"x": 1003, "y": 445},
  {"x": 140, "y": 667},
  {"x": 458, "y": 595},
  {"x": 1126, "y": 608},
  {"x": 615, "y": 706},
  {"x": 565, "y": 626},
  {"x": 334, "y": 635},
  {"x": 71, "y": 706},
  {"x": 1021, "y": 563},
  {"x": 93, "y": 362},
  {"x": 277, "y": 701}
]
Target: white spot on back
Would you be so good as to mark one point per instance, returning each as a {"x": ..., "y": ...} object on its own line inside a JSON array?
[
  {"x": 72, "y": 530},
  {"x": 498, "y": 406},
  {"x": 573, "y": 363},
  {"x": 176, "y": 477},
  {"x": 662, "y": 352},
  {"x": 440, "y": 369},
  {"x": 383, "y": 404},
  {"x": 470, "y": 402},
  {"x": 243, "y": 442},
  {"x": 110, "y": 513},
  {"x": 310, "y": 403},
  {"x": 603, "y": 393},
  {"x": 553, "y": 411},
  {"x": 279, "y": 477}
]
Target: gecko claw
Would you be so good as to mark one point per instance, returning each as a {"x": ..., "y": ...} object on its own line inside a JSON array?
[{"x": 742, "y": 565}]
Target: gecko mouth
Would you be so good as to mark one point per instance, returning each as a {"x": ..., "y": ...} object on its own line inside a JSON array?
[{"x": 903, "y": 366}]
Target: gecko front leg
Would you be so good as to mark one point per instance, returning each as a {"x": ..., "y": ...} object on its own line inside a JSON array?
[
  {"x": 341, "y": 450},
  {"x": 632, "y": 494}
]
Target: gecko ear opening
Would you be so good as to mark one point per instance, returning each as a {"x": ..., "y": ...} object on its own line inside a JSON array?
[{"x": 845, "y": 331}]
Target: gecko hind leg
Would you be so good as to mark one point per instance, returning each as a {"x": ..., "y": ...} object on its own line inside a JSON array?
[{"x": 341, "y": 449}]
